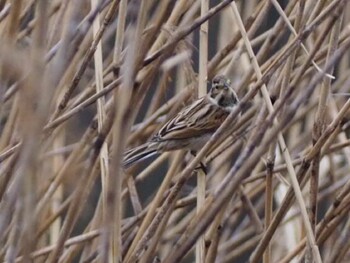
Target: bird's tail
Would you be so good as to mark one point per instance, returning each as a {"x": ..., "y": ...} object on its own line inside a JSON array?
[{"x": 138, "y": 154}]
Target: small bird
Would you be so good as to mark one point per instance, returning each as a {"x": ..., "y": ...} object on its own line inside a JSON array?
[{"x": 193, "y": 126}]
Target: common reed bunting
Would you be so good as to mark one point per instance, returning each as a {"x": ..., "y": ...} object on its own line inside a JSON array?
[{"x": 192, "y": 127}]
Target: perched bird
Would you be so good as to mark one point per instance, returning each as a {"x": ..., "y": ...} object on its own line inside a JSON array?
[{"x": 192, "y": 127}]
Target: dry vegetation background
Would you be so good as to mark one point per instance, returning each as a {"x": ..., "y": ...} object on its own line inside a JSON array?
[{"x": 82, "y": 81}]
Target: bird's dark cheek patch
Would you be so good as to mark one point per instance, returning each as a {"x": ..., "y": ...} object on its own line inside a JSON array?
[
  {"x": 234, "y": 99},
  {"x": 221, "y": 101}
]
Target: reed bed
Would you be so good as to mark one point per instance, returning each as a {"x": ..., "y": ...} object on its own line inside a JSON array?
[{"x": 81, "y": 82}]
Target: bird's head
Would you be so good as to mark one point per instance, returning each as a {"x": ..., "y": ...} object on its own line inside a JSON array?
[{"x": 222, "y": 93}]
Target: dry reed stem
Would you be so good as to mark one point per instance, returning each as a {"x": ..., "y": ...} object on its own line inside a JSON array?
[
  {"x": 202, "y": 81},
  {"x": 270, "y": 165}
]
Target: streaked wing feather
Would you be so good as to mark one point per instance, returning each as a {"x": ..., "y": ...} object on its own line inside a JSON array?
[
  {"x": 199, "y": 118},
  {"x": 138, "y": 154}
]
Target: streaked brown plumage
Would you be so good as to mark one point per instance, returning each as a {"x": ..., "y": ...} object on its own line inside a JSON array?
[{"x": 192, "y": 127}]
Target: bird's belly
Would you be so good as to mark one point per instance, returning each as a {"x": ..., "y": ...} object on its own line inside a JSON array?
[{"x": 198, "y": 142}]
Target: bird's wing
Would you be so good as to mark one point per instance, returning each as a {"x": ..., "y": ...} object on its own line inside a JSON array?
[
  {"x": 138, "y": 154},
  {"x": 200, "y": 118}
]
